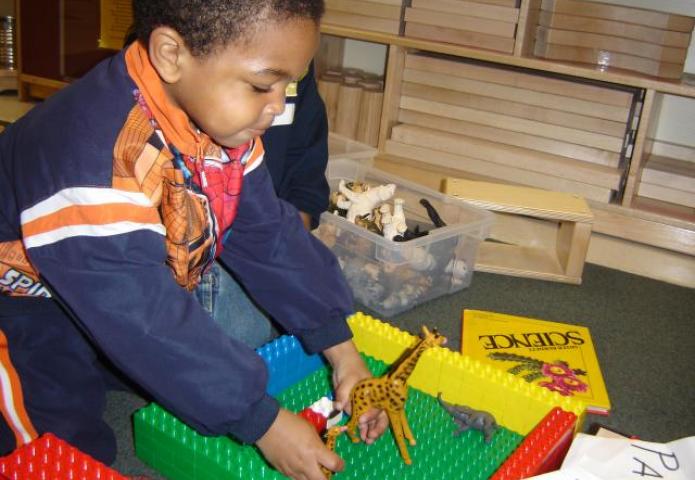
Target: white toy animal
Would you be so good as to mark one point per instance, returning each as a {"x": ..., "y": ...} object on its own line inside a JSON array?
[
  {"x": 362, "y": 203},
  {"x": 390, "y": 228}
]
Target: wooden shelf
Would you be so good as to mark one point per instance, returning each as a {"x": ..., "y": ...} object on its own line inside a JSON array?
[
  {"x": 639, "y": 225},
  {"x": 31, "y": 86},
  {"x": 673, "y": 213},
  {"x": 684, "y": 87},
  {"x": 567, "y": 217},
  {"x": 638, "y": 221}
]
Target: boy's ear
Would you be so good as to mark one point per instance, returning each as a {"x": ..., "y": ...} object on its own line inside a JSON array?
[{"x": 167, "y": 51}]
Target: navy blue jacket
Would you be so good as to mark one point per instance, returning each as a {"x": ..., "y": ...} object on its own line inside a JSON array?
[{"x": 79, "y": 209}]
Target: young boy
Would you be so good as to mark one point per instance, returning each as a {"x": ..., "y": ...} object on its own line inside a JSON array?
[
  {"x": 119, "y": 191},
  {"x": 296, "y": 156}
]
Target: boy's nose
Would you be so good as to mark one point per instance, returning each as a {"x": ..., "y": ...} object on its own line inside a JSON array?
[{"x": 277, "y": 105}]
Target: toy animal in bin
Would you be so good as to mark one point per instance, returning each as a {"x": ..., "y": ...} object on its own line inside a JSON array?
[
  {"x": 390, "y": 392},
  {"x": 466, "y": 418},
  {"x": 362, "y": 202},
  {"x": 365, "y": 205}
]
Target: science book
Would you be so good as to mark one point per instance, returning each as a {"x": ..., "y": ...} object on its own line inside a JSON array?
[{"x": 552, "y": 355}]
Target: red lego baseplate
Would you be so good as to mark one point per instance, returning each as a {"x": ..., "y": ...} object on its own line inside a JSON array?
[
  {"x": 50, "y": 458},
  {"x": 543, "y": 449}
]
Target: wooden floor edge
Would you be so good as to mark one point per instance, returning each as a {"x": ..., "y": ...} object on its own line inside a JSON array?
[
  {"x": 643, "y": 260},
  {"x": 622, "y": 255},
  {"x": 515, "y": 272}
]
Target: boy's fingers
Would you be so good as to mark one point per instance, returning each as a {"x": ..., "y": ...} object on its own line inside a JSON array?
[
  {"x": 339, "y": 404},
  {"x": 373, "y": 415},
  {"x": 342, "y": 394},
  {"x": 312, "y": 467},
  {"x": 305, "y": 473},
  {"x": 372, "y": 425},
  {"x": 331, "y": 461},
  {"x": 382, "y": 423},
  {"x": 342, "y": 399}
]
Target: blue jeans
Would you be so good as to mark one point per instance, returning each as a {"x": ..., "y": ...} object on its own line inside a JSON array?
[{"x": 229, "y": 305}]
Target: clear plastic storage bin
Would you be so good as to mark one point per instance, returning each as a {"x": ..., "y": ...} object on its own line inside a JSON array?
[{"x": 390, "y": 277}]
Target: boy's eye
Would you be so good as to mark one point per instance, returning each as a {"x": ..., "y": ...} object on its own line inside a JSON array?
[{"x": 260, "y": 89}]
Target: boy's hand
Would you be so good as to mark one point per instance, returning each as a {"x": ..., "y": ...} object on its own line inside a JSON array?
[
  {"x": 293, "y": 447},
  {"x": 348, "y": 369}
]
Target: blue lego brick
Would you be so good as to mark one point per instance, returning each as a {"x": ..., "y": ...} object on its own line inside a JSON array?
[{"x": 287, "y": 363}]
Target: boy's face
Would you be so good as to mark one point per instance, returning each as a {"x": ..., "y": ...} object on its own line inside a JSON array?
[{"x": 234, "y": 94}]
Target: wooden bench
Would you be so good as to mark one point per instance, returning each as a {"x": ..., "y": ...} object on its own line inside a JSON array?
[{"x": 537, "y": 233}]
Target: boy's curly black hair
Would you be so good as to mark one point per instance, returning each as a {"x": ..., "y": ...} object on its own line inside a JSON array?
[{"x": 208, "y": 24}]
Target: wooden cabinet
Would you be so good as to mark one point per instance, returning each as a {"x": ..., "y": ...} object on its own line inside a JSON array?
[
  {"x": 429, "y": 120},
  {"x": 58, "y": 42},
  {"x": 38, "y": 36}
]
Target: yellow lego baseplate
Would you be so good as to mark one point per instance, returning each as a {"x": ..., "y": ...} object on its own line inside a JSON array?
[{"x": 515, "y": 403}]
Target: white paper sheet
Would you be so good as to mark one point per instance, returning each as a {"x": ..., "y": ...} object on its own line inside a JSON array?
[{"x": 599, "y": 458}]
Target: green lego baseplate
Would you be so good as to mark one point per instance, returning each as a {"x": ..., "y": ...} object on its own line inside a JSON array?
[{"x": 179, "y": 453}]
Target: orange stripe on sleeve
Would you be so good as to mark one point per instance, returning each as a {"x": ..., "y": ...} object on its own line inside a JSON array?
[
  {"x": 12, "y": 401},
  {"x": 91, "y": 215}
]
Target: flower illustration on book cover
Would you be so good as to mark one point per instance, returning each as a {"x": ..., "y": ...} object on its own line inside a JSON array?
[{"x": 557, "y": 376}]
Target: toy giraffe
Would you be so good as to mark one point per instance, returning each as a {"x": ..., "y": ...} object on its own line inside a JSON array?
[
  {"x": 331, "y": 437},
  {"x": 389, "y": 393}
]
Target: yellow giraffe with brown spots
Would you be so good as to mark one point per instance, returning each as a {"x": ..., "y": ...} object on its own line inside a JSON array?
[
  {"x": 389, "y": 393},
  {"x": 331, "y": 437}
]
